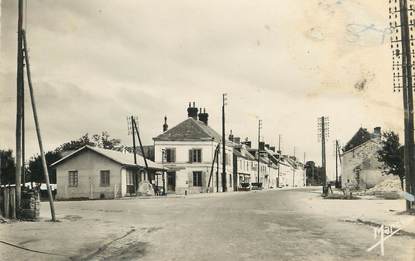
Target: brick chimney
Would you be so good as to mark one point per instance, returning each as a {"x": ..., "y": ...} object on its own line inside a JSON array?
[
  {"x": 261, "y": 146},
  {"x": 237, "y": 140},
  {"x": 165, "y": 126},
  {"x": 192, "y": 111},
  {"x": 203, "y": 116}
]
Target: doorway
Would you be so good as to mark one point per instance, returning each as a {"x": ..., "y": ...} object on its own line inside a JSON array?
[{"x": 171, "y": 181}]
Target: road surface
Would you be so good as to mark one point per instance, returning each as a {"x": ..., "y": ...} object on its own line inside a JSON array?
[{"x": 265, "y": 225}]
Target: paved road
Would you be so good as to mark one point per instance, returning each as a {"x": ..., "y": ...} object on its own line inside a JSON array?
[{"x": 237, "y": 226}]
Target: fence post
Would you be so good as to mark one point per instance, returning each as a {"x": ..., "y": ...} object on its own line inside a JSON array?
[
  {"x": 382, "y": 247},
  {"x": 12, "y": 195},
  {"x": 6, "y": 203}
]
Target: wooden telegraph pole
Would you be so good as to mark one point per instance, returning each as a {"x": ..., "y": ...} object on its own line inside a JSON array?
[
  {"x": 39, "y": 136},
  {"x": 401, "y": 43},
  {"x": 259, "y": 150},
  {"x": 19, "y": 102},
  {"x": 224, "y": 187},
  {"x": 279, "y": 158},
  {"x": 323, "y": 132}
]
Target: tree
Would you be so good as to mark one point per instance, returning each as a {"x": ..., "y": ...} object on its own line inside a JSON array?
[
  {"x": 77, "y": 144},
  {"x": 103, "y": 140},
  {"x": 35, "y": 172},
  {"x": 391, "y": 155},
  {"x": 7, "y": 167}
]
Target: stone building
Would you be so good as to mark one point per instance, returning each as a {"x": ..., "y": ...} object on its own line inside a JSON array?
[{"x": 359, "y": 164}]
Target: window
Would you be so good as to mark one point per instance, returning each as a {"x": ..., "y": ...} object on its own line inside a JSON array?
[
  {"x": 105, "y": 178},
  {"x": 197, "y": 178},
  {"x": 195, "y": 155},
  {"x": 230, "y": 180},
  {"x": 170, "y": 155},
  {"x": 73, "y": 178}
]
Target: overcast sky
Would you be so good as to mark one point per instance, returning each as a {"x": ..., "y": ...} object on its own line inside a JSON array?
[{"x": 285, "y": 62}]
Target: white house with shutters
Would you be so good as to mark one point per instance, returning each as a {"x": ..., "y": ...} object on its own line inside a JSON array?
[{"x": 187, "y": 151}]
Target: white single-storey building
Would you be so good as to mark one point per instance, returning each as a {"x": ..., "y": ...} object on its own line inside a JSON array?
[{"x": 93, "y": 173}]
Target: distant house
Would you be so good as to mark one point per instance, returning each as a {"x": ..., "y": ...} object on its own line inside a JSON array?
[
  {"x": 94, "y": 173},
  {"x": 243, "y": 165},
  {"x": 359, "y": 162},
  {"x": 187, "y": 151}
]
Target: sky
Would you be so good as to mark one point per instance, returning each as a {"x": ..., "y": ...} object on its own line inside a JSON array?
[{"x": 94, "y": 62}]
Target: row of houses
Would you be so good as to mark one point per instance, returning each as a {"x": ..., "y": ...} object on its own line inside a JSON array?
[{"x": 185, "y": 159}]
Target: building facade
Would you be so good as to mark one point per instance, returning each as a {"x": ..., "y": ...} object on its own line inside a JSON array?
[
  {"x": 94, "y": 173},
  {"x": 192, "y": 155},
  {"x": 359, "y": 163}
]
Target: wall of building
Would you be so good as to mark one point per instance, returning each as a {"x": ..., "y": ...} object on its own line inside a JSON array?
[
  {"x": 89, "y": 164},
  {"x": 184, "y": 170},
  {"x": 364, "y": 156}
]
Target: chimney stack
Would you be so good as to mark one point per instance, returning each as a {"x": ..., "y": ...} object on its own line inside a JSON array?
[
  {"x": 231, "y": 136},
  {"x": 377, "y": 131},
  {"x": 192, "y": 111},
  {"x": 247, "y": 143},
  {"x": 165, "y": 126},
  {"x": 272, "y": 148},
  {"x": 237, "y": 140},
  {"x": 261, "y": 146},
  {"x": 203, "y": 117}
]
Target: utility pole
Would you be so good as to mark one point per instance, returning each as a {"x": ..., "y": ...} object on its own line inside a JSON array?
[
  {"x": 19, "y": 101},
  {"x": 402, "y": 79},
  {"x": 131, "y": 130},
  {"x": 337, "y": 172},
  {"x": 323, "y": 133},
  {"x": 279, "y": 158},
  {"x": 259, "y": 148},
  {"x": 141, "y": 147},
  {"x": 223, "y": 144},
  {"x": 304, "y": 172},
  {"x": 294, "y": 168},
  {"x": 39, "y": 136}
]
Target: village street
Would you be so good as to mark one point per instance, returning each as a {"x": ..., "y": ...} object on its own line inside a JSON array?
[{"x": 263, "y": 225}]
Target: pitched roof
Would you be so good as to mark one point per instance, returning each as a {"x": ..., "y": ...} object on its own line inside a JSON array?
[
  {"x": 190, "y": 129},
  {"x": 360, "y": 137},
  {"x": 126, "y": 159}
]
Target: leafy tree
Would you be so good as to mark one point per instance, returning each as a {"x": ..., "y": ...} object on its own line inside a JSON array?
[
  {"x": 108, "y": 143},
  {"x": 391, "y": 155},
  {"x": 314, "y": 173},
  {"x": 35, "y": 172},
  {"x": 103, "y": 140},
  {"x": 76, "y": 144},
  {"x": 7, "y": 165}
]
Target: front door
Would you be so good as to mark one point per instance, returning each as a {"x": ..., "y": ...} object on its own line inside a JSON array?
[{"x": 171, "y": 181}]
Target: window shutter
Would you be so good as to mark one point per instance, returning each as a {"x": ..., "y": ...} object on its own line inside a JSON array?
[
  {"x": 173, "y": 155},
  {"x": 190, "y": 156},
  {"x": 201, "y": 158},
  {"x": 190, "y": 179}
]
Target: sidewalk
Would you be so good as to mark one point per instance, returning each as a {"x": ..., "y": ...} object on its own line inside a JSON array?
[{"x": 369, "y": 211}]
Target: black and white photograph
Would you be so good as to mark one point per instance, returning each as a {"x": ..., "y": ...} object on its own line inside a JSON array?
[{"x": 184, "y": 130}]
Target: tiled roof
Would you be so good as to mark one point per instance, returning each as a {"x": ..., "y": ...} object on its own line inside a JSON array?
[
  {"x": 360, "y": 137},
  {"x": 189, "y": 129},
  {"x": 126, "y": 159}
]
